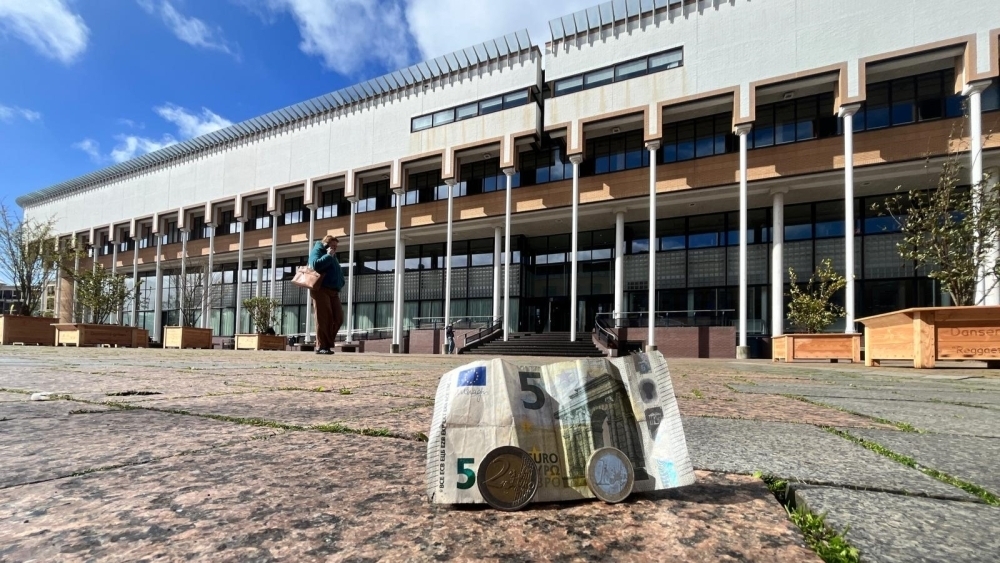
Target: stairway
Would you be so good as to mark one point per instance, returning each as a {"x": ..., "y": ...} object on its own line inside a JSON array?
[{"x": 544, "y": 344}]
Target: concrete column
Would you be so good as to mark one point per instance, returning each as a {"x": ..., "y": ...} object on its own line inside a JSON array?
[
  {"x": 206, "y": 302},
  {"x": 274, "y": 259},
  {"x": 742, "y": 351},
  {"x": 114, "y": 269},
  {"x": 309, "y": 245},
  {"x": 447, "y": 252},
  {"x": 847, "y": 113},
  {"x": 158, "y": 295},
  {"x": 397, "y": 301},
  {"x": 57, "y": 309},
  {"x": 135, "y": 281},
  {"x": 986, "y": 291},
  {"x": 576, "y": 159},
  {"x": 497, "y": 271},
  {"x": 401, "y": 309},
  {"x": 181, "y": 297},
  {"x": 619, "y": 265},
  {"x": 350, "y": 274},
  {"x": 509, "y": 172},
  {"x": 777, "y": 262},
  {"x": 652, "y": 146},
  {"x": 259, "y": 286},
  {"x": 76, "y": 273},
  {"x": 239, "y": 276}
]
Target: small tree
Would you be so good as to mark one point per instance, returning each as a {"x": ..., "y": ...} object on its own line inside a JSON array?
[
  {"x": 29, "y": 256},
  {"x": 811, "y": 309},
  {"x": 950, "y": 230},
  {"x": 103, "y": 293},
  {"x": 261, "y": 311},
  {"x": 191, "y": 291}
]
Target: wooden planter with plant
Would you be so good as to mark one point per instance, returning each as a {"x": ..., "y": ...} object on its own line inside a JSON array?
[
  {"x": 101, "y": 293},
  {"x": 811, "y": 311},
  {"x": 953, "y": 233},
  {"x": 261, "y": 311},
  {"x": 190, "y": 298},
  {"x": 187, "y": 337},
  {"x": 30, "y": 331}
]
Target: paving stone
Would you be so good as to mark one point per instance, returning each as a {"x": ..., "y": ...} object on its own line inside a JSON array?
[
  {"x": 304, "y": 408},
  {"x": 969, "y": 458},
  {"x": 43, "y": 409},
  {"x": 932, "y": 417},
  {"x": 307, "y": 496},
  {"x": 888, "y": 528},
  {"x": 802, "y": 453},
  {"x": 36, "y": 449},
  {"x": 6, "y": 397},
  {"x": 888, "y": 393}
]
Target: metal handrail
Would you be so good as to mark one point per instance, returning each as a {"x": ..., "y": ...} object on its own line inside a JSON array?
[
  {"x": 456, "y": 322},
  {"x": 678, "y": 318},
  {"x": 484, "y": 332},
  {"x": 604, "y": 334}
]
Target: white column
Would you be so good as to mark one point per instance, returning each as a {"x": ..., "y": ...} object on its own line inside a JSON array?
[
  {"x": 402, "y": 289},
  {"x": 58, "y": 304},
  {"x": 619, "y": 265},
  {"x": 309, "y": 246},
  {"x": 181, "y": 297},
  {"x": 206, "y": 302},
  {"x": 259, "y": 286},
  {"x": 652, "y": 146},
  {"x": 576, "y": 159},
  {"x": 847, "y": 113},
  {"x": 743, "y": 352},
  {"x": 239, "y": 276},
  {"x": 509, "y": 172},
  {"x": 985, "y": 295},
  {"x": 135, "y": 281},
  {"x": 114, "y": 271},
  {"x": 447, "y": 253},
  {"x": 397, "y": 300},
  {"x": 76, "y": 273},
  {"x": 274, "y": 260},
  {"x": 777, "y": 262},
  {"x": 350, "y": 274},
  {"x": 497, "y": 269},
  {"x": 158, "y": 295}
]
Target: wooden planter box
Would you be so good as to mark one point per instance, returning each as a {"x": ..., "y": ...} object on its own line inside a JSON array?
[
  {"x": 187, "y": 337},
  {"x": 823, "y": 346},
  {"x": 16, "y": 329},
  {"x": 928, "y": 334},
  {"x": 83, "y": 334},
  {"x": 260, "y": 342}
]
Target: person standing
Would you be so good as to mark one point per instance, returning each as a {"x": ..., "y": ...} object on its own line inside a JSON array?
[
  {"x": 326, "y": 296},
  {"x": 449, "y": 333}
]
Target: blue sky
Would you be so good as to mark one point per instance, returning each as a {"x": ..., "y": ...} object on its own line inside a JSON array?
[{"x": 88, "y": 83}]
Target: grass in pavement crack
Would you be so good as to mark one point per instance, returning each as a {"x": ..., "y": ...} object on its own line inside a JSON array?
[
  {"x": 829, "y": 544},
  {"x": 900, "y": 425},
  {"x": 971, "y": 488}
]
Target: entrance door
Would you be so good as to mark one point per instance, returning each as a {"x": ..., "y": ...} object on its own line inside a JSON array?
[
  {"x": 588, "y": 309},
  {"x": 558, "y": 315}
]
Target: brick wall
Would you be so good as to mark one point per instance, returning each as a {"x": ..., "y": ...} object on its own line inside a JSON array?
[
  {"x": 687, "y": 342},
  {"x": 384, "y": 346},
  {"x": 426, "y": 341}
]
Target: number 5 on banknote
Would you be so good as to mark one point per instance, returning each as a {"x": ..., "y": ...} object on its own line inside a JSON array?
[
  {"x": 528, "y": 387},
  {"x": 470, "y": 474}
]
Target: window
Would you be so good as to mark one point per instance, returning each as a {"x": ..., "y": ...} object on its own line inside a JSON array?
[
  {"x": 515, "y": 99},
  {"x": 444, "y": 117},
  {"x": 375, "y": 195},
  {"x": 491, "y": 105},
  {"x": 468, "y": 111},
  {"x": 422, "y": 122},
  {"x": 465, "y": 112},
  {"x": 620, "y": 151},
  {"x": 333, "y": 204},
  {"x": 791, "y": 121},
  {"x": 909, "y": 100},
  {"x": 171, "y": 235},
  {"x": 547, "y": 164},
  {"x": 424, "y": 187},
  {"x": 483, "y": 177},
  {"x": 198, "y": 230},
  {"x": 294, "y": 212},
  {"x": 259, "y": 217},
  {"x": 228, "y": 223},
  {"x": 623, "y": 71}
]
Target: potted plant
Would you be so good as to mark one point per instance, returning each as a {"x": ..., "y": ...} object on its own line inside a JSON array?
[
  {"x": 29, "y": 256},
  {"x": 951, "y": 232},
  {"x": 102, "y": 294},
  {"x": 811, "y": 311},
  {"x": 191, "y": 300},
  {"x": 261, "y": 311}
]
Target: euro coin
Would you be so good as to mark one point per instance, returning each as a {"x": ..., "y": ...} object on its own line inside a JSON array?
[
  {"x": 610, "y": 475},
  {"x": 508, "y": 478}
]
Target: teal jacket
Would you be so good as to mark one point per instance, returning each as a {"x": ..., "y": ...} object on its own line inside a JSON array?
[{"x": 323, "y": 263}]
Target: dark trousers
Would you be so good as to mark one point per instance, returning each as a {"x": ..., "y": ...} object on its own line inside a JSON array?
[{"x": 329, "y": 316}]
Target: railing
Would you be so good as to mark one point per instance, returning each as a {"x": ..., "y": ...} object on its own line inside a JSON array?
[
  {"x": 603, "y": 332},
  {"x": 474, "y": 321},
  {"x": 356, "y": 334},
  {"x": 682, "y": 318},
  {"x": 483, "y": 333}
]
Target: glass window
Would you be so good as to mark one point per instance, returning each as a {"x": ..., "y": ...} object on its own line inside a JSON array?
[
  {"x": 829, "y": 219},
  {"x": 806, "y": 117},
  {"x": 422, "y": 122},
  {"x": 467, "y": 111},
  {"x": 704, "y": 137},
  {"x": 798, "y": 222},
  {"x": 632, "y": 69},
  {"x": 930, "y": 102},
  {"x": 706, "y": 230},
  {"x": 685, "y": 140},
  {"x": 784, "y": 122},
  {"x": 443, "y": 117},
  {"x": 491, "y": 105},
  {"x": 763, "y": 127},
  {"x": 903, "y": 101},
  {"x": 991, "y": 97},
  {"x": 670, "y": 233},
  {"x": 664, "y": 61},
  {"x": 567, "y": 86},
  {"x": 599, "y": 77},
  {"x": 877, "y": 106},
  {"x": 515, "y": 99}
]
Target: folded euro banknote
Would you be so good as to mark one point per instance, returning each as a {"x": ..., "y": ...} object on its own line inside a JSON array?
[{"x": 509, "y": 435}]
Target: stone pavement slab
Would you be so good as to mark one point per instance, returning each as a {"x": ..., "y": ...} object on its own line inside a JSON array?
[
  {"x": 306, "y": 496},
  {"x": 931, "y": 417},
  {"x": 888, "y": 528},
  {"x": 303, "y": 408},
  {"x": 894, "y": 393},
  {"x": 970, "y": 458},
  {"x": 43, "y": 409},
  {"x": 802, "y": 453},
  {"x": 41, "y": 448}
]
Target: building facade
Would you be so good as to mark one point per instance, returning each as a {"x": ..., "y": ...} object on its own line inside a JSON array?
[{"x": 671, "y": 155}]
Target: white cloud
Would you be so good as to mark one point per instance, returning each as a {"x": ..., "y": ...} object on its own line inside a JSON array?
[
  {"x": 47, "y": 25},
  {"x": 190, "y": 30},
  {"x": 191, "y": 125},
  {"x": 348, "y": 35},
  {"x": 130, "y": 146},
  {"x": 469, "y": 22},
  {"x": 8, "y": 113}
]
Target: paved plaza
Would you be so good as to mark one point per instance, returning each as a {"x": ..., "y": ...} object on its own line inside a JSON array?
[{"x": 142, "y": 455}]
